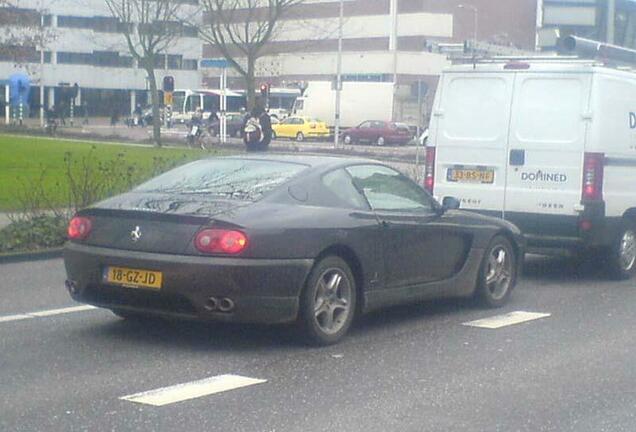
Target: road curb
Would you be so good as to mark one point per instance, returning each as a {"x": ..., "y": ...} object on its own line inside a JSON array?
[{"x": 31, "y": 255}]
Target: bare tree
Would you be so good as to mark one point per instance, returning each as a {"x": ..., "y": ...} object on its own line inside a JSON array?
[
  {"x": 22, "y": 33},
  {"x": 240, "y": 30},
  {"x": 149, "y": 28}
]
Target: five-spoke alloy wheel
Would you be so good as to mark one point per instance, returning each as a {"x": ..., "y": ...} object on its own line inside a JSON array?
[
  {"x": 498, "y": 273},
  {"x": 329, "y": 301}
]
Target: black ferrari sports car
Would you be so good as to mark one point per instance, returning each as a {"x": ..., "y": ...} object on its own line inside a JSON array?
[{"x": 283, "y": 238}]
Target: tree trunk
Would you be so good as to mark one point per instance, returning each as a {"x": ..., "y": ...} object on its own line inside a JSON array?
[
  {"x": 154, "y": 100},
  {"x": 250, "y": 85}
]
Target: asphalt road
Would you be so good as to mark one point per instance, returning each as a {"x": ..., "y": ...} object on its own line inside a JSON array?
[{"x": 414, "y": 368}]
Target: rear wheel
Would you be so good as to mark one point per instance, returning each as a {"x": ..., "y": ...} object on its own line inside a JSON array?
[
  {"x": 328, "y": 301},
  {"x": 300, "y": 137},
  {"x": 621, "y": 261},
  {"x": 498, "y": 273}
]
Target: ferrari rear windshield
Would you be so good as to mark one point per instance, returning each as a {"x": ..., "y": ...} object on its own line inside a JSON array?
[{"x": 242, "y": 179}]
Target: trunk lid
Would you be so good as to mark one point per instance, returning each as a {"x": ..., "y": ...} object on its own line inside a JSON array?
[{"x": 151, "y": 222}]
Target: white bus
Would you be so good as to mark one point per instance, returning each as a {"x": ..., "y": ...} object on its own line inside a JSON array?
[
  {"x": 281, "y": 101},
  {"x": 185, "y": 103}
]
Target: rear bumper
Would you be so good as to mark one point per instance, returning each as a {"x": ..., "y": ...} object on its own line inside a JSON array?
[{"x": 263, "y": 291}]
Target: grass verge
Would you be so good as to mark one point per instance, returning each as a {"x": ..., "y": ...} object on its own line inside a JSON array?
[{"x": 28, "y": 162}]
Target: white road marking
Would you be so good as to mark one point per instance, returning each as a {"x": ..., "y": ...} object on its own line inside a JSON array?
[
  {"x": 46, "y": 313},
  {"x": 8, "y": 318},
  {"x": 192, "y": 390},
  {"x": 508, "y": 319},
  {"x": 62, "y": 311}
]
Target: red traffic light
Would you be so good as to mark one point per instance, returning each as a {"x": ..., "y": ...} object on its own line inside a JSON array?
[
  {"x": 264, "y": 90},
  {"x": 168, "y": 84}
]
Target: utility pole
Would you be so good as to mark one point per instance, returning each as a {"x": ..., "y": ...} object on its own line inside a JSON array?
[
  {"x": 339, "y": 76},
  {"x": 41, "y": 71},
  {"x": 611, "y": 17},
  {"x": 475, "y": 24}
]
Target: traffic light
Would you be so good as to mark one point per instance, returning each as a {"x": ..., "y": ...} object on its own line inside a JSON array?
[
  {"x": 265, "y": 90},
  {"x": 168, "y": 84}
]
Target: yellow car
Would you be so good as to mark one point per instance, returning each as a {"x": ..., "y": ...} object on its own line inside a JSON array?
[{"x": 300, "y": 128}]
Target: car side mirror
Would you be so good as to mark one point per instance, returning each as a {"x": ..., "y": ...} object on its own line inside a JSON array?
[{"x": 450, "y": 203}]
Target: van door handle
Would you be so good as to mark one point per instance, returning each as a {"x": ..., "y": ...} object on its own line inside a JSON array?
[{"x": 517, "y": 157}]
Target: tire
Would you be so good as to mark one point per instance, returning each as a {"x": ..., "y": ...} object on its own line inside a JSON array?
[
  {"x": 300, "y": 137},
  {"x": 328, "y": 323},
  {"x": 348, "y": 140},
  {"x": 380, "y": 141},
  {"x": 621, "y": 259},
  {"x": 497, "y": 274}
]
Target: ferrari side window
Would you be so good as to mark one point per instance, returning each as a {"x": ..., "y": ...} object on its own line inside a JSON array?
[
  {"x": 388, "y": 190},
  {"x": 341, "y": 185}
]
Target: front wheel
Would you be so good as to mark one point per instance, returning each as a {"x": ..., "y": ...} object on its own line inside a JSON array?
[
  {"x": 380, "y": 141},
  {"x": 348, "y": 140},
  {"x": 498, "y": 273},
  {"x": 328, "y": 301},
  {"x": 300, "y": 137},
  {"x": 621, "y": 262}
]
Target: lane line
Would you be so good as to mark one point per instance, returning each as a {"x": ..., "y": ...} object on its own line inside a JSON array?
[
  {"x": 45, "y": 313},
  {"x": 192, "y": 390},
  {"x": 9, "y": 318},
  {"x": 61, "y": 311},
  {"x": 512, "y": 318}
]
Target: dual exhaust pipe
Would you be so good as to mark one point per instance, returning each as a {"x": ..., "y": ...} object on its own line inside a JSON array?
[{"x": 223, "y": 304}]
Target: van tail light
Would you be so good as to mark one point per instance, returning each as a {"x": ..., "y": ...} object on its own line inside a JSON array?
[
  {"x": 79, "y": 228},
  {"x": 593, "y": 164},
  {"x": 429, "y": 170},
  {"x": 222, "y": 241}
]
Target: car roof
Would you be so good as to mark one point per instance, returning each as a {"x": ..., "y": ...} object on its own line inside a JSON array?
[{"x": 311, "y": 160}]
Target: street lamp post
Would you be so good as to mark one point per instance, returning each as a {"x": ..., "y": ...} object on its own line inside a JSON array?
[
  {"x": 338, "y": 77},
  {"x": 475, "y": 12}
]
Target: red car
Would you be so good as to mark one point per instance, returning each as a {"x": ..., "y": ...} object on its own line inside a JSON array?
[{"x": 378, "y": 133}]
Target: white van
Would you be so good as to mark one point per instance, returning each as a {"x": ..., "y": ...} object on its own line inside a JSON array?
[{"x": 549, "y": 146}]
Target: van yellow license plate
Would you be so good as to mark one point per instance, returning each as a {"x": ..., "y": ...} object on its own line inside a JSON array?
[
  {"x": 471, "y": 175},
  {"x": 133, "y": 278}
]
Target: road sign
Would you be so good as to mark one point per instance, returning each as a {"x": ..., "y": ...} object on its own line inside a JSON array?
[{"x": 215, "y": 63}]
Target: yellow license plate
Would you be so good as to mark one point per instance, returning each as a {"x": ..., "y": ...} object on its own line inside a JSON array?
[
  {"x": 462, "y": 175},
  {"x": 133, "y": 278}
]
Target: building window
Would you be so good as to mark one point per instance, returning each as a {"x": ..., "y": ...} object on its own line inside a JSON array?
[
  {"x": 190, "y": 64},
  {"x": 105, "y": 24},
  {"x": 74, "y": 58},
  {"x": 189, "y": 31},
  {"x": 174, "y": 61},
  {"x": 74, "y": 22}
]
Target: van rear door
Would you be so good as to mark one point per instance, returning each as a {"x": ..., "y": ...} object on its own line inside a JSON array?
[
  {"x": 546, "y": 145},
  {"x": 470, "y": 133}
]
